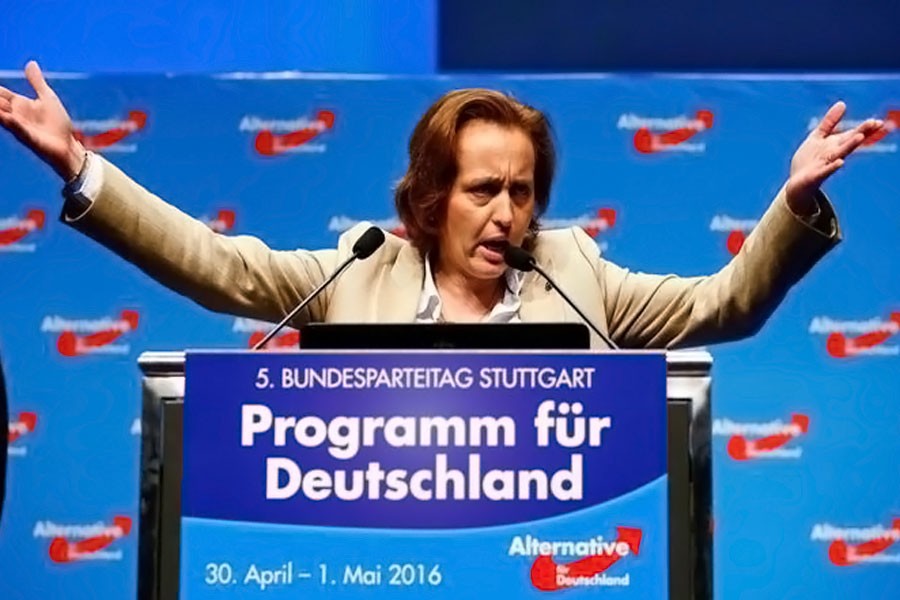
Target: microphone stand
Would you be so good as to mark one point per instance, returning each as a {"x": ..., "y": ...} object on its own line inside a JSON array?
[
  {"x": 306, "y": 301},
  {"x": 571, "y": 303}
]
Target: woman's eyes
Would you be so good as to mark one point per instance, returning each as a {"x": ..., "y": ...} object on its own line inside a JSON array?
[
  {"x": 489, "y": 191},
  {"x": 486, "y": 189},
  {"x": 520, "y": 191}
]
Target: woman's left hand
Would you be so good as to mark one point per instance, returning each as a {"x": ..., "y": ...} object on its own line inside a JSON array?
[{"x": 822, "y": 153}]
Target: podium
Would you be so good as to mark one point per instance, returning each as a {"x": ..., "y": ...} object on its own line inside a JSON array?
[{"x": 686, "y": 543}]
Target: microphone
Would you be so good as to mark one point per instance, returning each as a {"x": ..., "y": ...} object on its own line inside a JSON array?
[
  {"x": 365, "y": 246},
  {"x": 370, "y": 241},
  {"x": 522, "y": 260}
]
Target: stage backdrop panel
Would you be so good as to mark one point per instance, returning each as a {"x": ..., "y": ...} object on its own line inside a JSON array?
[{"x": 807, "y": 487}]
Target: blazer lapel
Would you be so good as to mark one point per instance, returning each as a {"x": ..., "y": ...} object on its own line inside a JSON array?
[
  {"x": 540, "y": 302},
  {"x": 398, "y": 294}
]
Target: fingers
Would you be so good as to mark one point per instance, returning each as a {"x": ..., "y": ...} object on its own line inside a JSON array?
[
  {"x": 813, "y": 178},
  {"x": 848, "y": 142},
  {"x": 7, "y": 119},
  {"x": 830, "y": 168},
  {"x": 832, "y": 118},
  {"x": 873, "y": 130},
  {"x": 5, "y": 94},
  {"x": 6, "y": 116},
  {"x": 870, "y": 126},
  {"x": 36, "y": 79}
]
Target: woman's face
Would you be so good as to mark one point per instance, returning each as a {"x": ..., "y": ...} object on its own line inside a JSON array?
[{"x": 492, "y": 200}]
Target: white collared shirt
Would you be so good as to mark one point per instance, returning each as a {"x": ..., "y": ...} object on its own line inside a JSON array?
[{"x": 505, "y": 311}]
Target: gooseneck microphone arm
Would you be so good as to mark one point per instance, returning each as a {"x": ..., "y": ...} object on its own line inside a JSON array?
[
  {"x": 520, "y": 259},
  {"x": 574, "y": 306},
  {"x": 367, "y": 243},
  {"x": 274, "y": 331}
]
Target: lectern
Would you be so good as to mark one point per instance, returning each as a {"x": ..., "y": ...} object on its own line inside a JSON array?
[{"x": 458, "y": 474}]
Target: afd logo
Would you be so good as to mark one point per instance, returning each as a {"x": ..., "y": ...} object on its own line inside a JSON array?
[
  {"x": 287, "y": 339},
  {"x": 737, "y": 230},
  {"x": 281, "y": 136},
  {"x": 15, "y": 232},
  {"x": 563, "y": 564},
  {"x": 880, "y": 143},
  {"x": 653, "y": 135},
  {"x": 869, "y": 337},
  {"x": 223, "y": 222},
  {"x": 767, "y": 440},
  {"x": 20, "y": 427},
  {"x": 78, "y": 542},
  {"x": 851, "y": 546},
  {"x": 78, "y": 337},
  {"x": 110, "y": 135},
  {"x": 342, "y": 223},
  {"x": 593, "y": 224}
]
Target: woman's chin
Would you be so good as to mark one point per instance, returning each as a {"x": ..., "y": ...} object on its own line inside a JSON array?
[{"x": 483, "y": 269}]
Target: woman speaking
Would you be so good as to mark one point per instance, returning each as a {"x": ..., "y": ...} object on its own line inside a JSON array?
[{"x": 481, "y": 166}]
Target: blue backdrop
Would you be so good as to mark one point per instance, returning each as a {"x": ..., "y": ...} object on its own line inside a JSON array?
[
  {"x": 203, "y": 36},
  {"x": 806, "y": 475}
]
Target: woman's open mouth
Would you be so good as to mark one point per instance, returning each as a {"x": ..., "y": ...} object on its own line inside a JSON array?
[{"x": 493, "y": 249}]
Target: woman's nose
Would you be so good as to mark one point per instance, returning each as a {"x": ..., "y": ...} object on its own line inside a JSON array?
[{"x": 503, "y": 213}]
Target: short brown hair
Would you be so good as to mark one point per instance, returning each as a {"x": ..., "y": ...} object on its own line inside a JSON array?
[{"x": 421, "y": 195}]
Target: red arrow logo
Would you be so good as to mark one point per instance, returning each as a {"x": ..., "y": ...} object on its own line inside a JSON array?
[
  {"x": 289, "y": 340},
  {"x": 64, "y": 551},
  {"x": 71, "y": 344},
  {"x": 34, "y": 219},
  {"x": 545, "y": 570},
  {"x": 840, "y": 346},
  {"x": 740, "y": 448},
  {"x": 647, "y": 142},
  {"x": 735, "y": 241},
  {"x": 843, "y": 554},
  {"x": 593, "y": 225},
  {"x": 135, "y": 122},
  {"x": 891, "y": 122},
  {"x": 25, "y": 424},
  {"x": 606, "y": 218},
  {"x": 223, "y": 222},
  {"x": 272, "y": 144}
]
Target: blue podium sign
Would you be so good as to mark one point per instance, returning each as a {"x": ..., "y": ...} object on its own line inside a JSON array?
[{"x": 424, "y": 474}]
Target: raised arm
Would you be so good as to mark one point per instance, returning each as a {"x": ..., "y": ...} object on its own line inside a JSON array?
[
  {"x": 667, "y": 311},
  {"x": 238, "y": 275}
]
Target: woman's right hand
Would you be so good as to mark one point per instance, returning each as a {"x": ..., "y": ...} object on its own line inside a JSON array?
[{"x": 43, "y": 125}]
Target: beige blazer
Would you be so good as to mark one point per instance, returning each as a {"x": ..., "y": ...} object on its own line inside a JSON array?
[{"x": 240, "y": 275}]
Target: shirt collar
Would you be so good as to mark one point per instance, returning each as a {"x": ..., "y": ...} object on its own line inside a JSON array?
[{"x": 429, "y": 309}]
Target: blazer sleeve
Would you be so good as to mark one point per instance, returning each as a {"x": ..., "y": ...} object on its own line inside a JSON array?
[
  {"x": 667, "y": 311},
  {"x": 238, "y": 275}
]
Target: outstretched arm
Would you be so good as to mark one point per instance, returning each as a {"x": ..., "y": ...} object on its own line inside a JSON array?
[
  {"x": 666, "y": 311},
  {"x": 669, "y": 311},
  {"x": 238, "y": 275}
]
